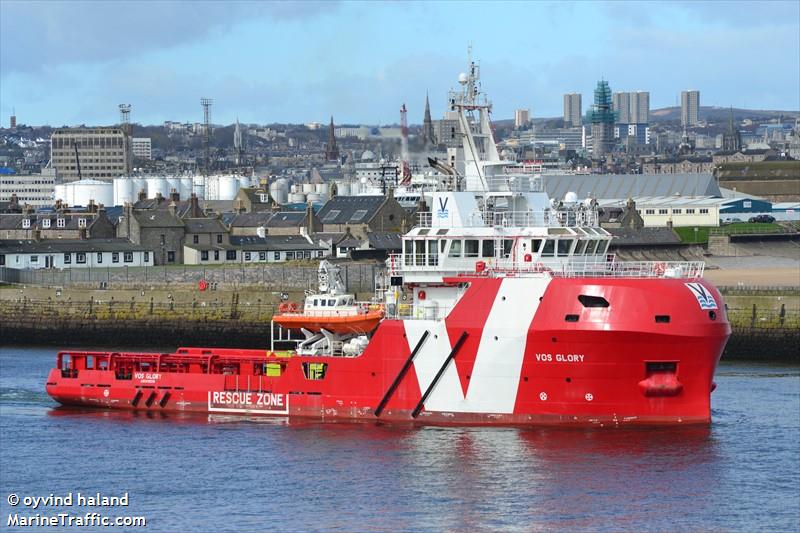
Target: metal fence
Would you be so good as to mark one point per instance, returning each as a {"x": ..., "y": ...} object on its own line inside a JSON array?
[{"x": 358, "y": 277}]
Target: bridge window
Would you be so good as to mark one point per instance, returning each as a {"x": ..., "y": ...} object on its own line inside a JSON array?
[
  {"x": 508, "y": 244},
  {"x": 535, "y": 245},
  {"x": 564, "y": 247},
  {"x": 580, "y": 249},
  {"x": 455, "y": 249},
  {"x": 471, "y": 248},
  {"x": 488, "y": 248},
  {"x": 549, "y": 248},
  {"x": 433, "y": 254},
  {"x": 419, "y": 252}
]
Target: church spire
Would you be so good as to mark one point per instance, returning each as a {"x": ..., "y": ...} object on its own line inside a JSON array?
[
  {"x": 428, "y": 138},
  {"x": 331, "y": 150}
]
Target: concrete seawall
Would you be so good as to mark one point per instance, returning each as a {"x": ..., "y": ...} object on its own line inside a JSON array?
[{"x": 763, "y": 328}]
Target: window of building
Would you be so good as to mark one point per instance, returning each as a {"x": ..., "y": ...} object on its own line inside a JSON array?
[
  {"x": 358, "y": 215},
  {"x": 46, "y": 223},
  {"x": 80, "y": 258},
  {"x": 216, "y": 255},
  {"x": 704, "y": 211},
  {"x": 230, "y": 255},
  {"x": 2, "y": 259},
  {"x": 99, "y": 257},
  {"x": 277, "y": 256},
  {"x": 171, "y": 256},
  {"x": 331, "y": 215},
  {"x": 115, "y": 257},
  {"x": 67, "y": 258},
  {"x": 128, "y": 257},
  {"x": 649, "y": 211},
  {"x": 34, "y": 259},
  {"x": 204, "y": 255},
  {"x": 663, "y": 211},
  {"x": 196, "y": 239},
  {"x": 81, "y": 222},
  {"x": 247, "y": 256},
  {"x": 219, "y": 239},
  {"x": 289, "y": 256},
  {"x": 747, "y": 204},
  {"x": 262, "y": 256},
  {"x": 146, "y": 257},
  {"x": 26, "y": 223},
  {"x": 307, "y": 255},
  {"x": 676, "y": 211},
  {"x": 690, "y": 211},
  {"x": 319, "y": 253}
]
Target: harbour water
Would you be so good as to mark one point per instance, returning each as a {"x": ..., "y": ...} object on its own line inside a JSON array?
[{"x": 230, "y": 474}]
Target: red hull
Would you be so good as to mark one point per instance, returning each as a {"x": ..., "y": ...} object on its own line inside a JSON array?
[{"x": 609, "y": 366}]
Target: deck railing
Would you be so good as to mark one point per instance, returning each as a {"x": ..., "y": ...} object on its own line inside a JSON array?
[{"x": 548, "y": 218}]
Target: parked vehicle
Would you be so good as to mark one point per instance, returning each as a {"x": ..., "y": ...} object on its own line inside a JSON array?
[{"x": 765, "y": 219}]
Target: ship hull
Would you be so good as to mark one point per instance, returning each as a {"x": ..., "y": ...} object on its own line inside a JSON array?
[{"x": 610, "y": 366}]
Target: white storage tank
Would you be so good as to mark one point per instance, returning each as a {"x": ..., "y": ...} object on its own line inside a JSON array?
[
  {"x": 83, "y": 191},
  {"x": 187, "y": 187},
  {"x": 322, "y": 188},
  {"x": 315, "y": 197},
  {"x": 156, "y": 186},
  {"x": 343, "y": 189},
  {"x": 245, "y": 182},
  {"x": 308, "y": 187},
  {"x": 173, "y": 182},
  {"x": 138, "y": 185},
  {"x": 297, "y": 198},
  {"x": 123, "y": 191},
  {"x": 228, "y": 187},
  {"x": 279, "y": 190},
  {"x": 198, "y": 186},
  {"x": 294, "y": 188}
]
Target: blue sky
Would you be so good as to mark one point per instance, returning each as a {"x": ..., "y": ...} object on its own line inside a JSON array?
[{"x": 72, "y": 62}]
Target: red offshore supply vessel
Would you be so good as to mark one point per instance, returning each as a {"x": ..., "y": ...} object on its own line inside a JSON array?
[{"x": 504, "y": 307}]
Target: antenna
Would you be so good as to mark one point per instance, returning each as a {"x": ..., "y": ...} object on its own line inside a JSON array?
[{"x": 206, "y": 103}]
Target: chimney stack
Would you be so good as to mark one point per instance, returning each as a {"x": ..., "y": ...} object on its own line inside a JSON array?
[
  {"x": 14, "y": 204},
  {"x": 175, "y": 196},
  {"x": 142, "y": 195},
  {"x": 92, "y": 207},
  {"x": 159, "y": 198},
  {"x": 310, "y": 218},
  {"x": 195, "y": 210}
]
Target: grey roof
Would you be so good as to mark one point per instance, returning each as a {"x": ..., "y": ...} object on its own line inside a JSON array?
[
  {"x": 622, "y": 186},
  {"x": 157, "y": 218},
  {"x": 14, "y": 221},
  {"x": 69, "y": 245},
  {"x": 274, "y": 242},
  {"x": 347, "y": 206},
  {"x": 643, "y": 237},
  {"x": 287, "y": 219},
  {"x": 385, "y": 241},
  {"x": 204, "y": 225}
]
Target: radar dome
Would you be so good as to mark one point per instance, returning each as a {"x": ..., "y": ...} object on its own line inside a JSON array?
[
  {"x": 462, "y": 78},
  {"x": 570, "y": 197},
  {"x": 368, "y": 156}
]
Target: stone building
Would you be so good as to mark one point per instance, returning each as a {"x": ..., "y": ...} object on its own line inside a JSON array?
[{"x": 364, "y": 214}]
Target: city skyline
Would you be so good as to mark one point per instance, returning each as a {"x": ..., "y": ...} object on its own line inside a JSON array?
[{"x": 66, "y": 63}]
